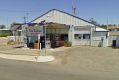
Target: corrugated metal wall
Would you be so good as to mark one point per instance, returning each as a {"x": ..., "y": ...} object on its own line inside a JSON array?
[
  {"x": 111, "y": 38},
  {"x": 62, "y": 18},
  {"x": 97, "y": 39},
  {"x": 81, "y": 31}
]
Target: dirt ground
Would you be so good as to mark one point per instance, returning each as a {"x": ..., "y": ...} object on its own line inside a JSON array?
[
  {"x": 78, "y": 58},
  {"x": 88, "y": 58}
]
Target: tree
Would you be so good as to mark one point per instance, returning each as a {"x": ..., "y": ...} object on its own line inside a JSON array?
[
  {"x": 13, "y": 25},
  {"x": 2, "y": 26},
  {"x": 103, "y": 26},
  {"x": 114, "y": 25},
  {"x": 93, "y": 21}
]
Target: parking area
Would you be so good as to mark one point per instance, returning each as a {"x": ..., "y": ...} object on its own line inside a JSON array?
[
  {"x": 88, "y": 58},
  {"x": 79, "y": 58}
]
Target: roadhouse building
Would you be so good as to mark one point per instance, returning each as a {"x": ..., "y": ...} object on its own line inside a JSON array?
[{"x": 61, "y": 26}]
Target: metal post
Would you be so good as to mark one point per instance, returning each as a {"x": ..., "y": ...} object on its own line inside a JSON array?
[
  {"x": 91, "y": 36},
  {"x": 26, "y": 32},
  {"x": 107, "y": 22},
  {"x": 40, "y": 50},
  {"x": 72, "y": 28},
  {"x": 45, "y": 38},
  {"x": 107, "y": 32},
  {"x": 26, "y": 38},
  {"x": 27, "y": 16},
  {"x": 46, "y": 33},
  {"x": 74, "y": 8}
]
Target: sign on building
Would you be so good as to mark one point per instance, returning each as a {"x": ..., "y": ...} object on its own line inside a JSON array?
[
  {"x": 35, "y": 30},
  {"x": 80, "y": 28}
]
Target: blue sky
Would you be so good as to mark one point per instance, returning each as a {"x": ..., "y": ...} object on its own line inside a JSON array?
[{"x": 100, "y": 10}]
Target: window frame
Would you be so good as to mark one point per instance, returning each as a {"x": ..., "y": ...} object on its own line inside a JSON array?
[
  {"x": 76, "y": 36},
  {"x": 85, "y": 38}
]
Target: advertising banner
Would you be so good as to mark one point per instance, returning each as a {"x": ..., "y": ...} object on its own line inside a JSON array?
[{"x": 35, "y": 30}]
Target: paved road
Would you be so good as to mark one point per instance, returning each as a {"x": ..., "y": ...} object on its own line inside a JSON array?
[{"x": 18, "y": 70}]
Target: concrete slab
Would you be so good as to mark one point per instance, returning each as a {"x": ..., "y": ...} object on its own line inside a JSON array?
[
  {"x": 28, "y": 58},
  {"x": 45, "y": 58}
]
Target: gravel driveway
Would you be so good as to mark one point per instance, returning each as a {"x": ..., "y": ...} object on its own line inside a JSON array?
[
  {"x": 79, "y": 58},
  {"x": 88, "y": 58}
]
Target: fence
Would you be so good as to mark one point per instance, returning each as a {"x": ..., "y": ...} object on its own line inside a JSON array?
[{"x": 3, "y": 40}]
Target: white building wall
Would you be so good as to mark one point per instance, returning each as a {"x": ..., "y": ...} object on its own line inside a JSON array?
[
  {"x": 100, "y": 39},
  {"x": 117, "y": 42},
  {"x": 56, "y": 16},
  {"x": 49, "y": 17},
  {"x": 84, "y": 42},
  {"x": 111, "y": 38},
  {"x": 62, "y": 18},
  {"x": 95, "y": 39},
  {"x": 75, "y": 42}
]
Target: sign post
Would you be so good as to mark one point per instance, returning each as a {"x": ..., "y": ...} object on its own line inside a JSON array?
[
  {"x": 39, "y": 47},
  {"x": 39, "y": 44},
  {"x": 38, "y": 36},
  {"x": 38, "y": 41}
]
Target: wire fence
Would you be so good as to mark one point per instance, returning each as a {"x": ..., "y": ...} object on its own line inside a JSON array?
[{"x": 3, "y": 41}]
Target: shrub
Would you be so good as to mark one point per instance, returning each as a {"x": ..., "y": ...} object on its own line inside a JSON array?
[
  {"x": 4, "y": 34},
  {"x": 67, "y": 44},
  {"x": 11, "y": 42}
]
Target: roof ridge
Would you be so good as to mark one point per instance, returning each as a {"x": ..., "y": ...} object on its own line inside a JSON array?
[{"x": 65, "y": 13}]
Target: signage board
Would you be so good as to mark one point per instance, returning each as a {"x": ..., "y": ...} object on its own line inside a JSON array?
[
  {"x": 80, "y": 28},
  {"x": 38, "y": 36},
  {"x": 35, "y": 30}
]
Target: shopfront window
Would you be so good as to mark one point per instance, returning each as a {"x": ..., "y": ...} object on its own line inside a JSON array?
[
  {"x": 86, "y": 36},
  {"x": 78, "y": 36}
]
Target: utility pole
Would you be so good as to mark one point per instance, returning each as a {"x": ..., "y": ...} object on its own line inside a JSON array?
[
  {"x": 26, "y": 39},
  {"x": 27, "y": 17},
  {"x": 7, "y": 22},
  {"x": 74, "y": 13},
  {"x": 74, "y": 9},
  {"x": 107, "y": 29},
  {"x": 107, "y": 22},
  {"x": 24, "y": 20}
]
